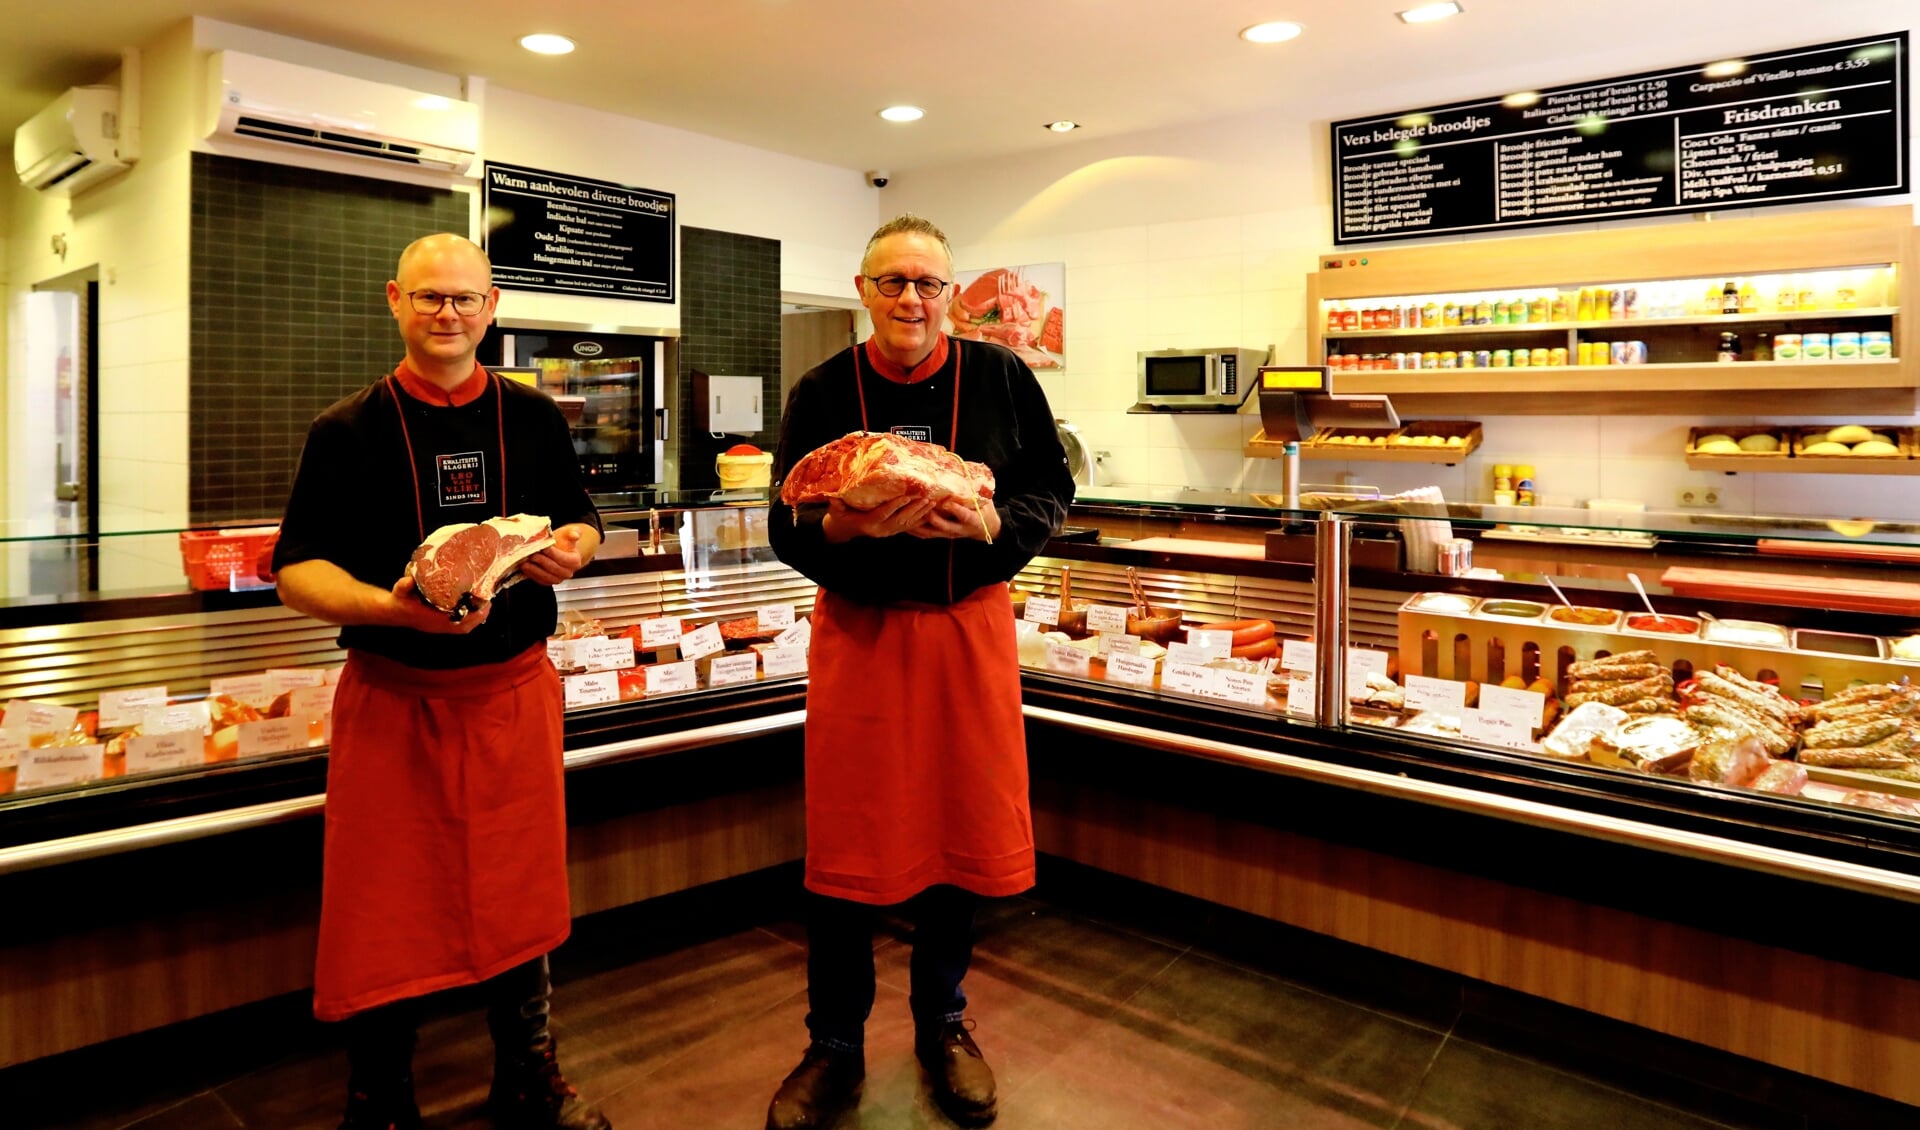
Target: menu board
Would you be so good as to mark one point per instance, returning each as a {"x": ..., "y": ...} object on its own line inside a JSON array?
[
  {"x": 1806, "y": 123},
  {"x": 548, "y": 231}
]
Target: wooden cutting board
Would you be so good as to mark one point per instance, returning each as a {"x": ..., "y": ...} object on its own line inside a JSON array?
[
  {"x": 1839, "y": 550},
  {"x": 1845, "y": 594}
]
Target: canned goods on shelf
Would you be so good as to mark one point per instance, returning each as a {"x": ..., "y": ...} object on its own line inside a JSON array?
[
  {"x": 1501, "y": 359},
  {"x": 1846, "y": 346},
  {"x": 1521, "y": 358},
  {"x": 1876, "y": 345},
  {"x": 1430, "y": 359},
  {"x": 1467, "y": 360},
  {"x": 1636, "y": 353},
  {"x": 1483, "y": 358},
  {"x": 1584, "y": 355},
  {"x": 1557, "y": 355},
  {"x": 1816, "y": 347},
  {"x": 1786, "y": 347},
  {"x": 1619, "y": 353},
  {"x": 1397, "y": 361}
]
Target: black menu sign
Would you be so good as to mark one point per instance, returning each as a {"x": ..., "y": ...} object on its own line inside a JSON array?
[
  {"x": 547, "y": 231},
  {"x": 1807, "y": 123}
]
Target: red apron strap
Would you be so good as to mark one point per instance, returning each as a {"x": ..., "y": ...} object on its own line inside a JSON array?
[{"x": 500, "y": 435}]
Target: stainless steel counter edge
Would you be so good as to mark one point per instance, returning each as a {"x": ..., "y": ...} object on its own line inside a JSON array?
[
  {"x": 93, "y": 845},
  {"x": 1693, "y": 845}
]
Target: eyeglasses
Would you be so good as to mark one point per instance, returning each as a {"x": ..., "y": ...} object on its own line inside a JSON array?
[
  {"x": 894, "y": 285},
  {"x": 466, "y": 305}
]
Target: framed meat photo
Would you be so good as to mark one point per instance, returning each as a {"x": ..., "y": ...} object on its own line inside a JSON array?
[{"x": 1022, "y": 308}]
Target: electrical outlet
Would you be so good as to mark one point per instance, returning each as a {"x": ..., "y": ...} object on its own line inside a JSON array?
[{"x": 1698, "y": 498}]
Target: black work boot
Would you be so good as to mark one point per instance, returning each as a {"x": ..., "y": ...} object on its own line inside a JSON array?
[
  {"x": 826, "y": 1082},
  {"x": 388, "y": 1107},
  {"x": 962, "y": 1081},
  {"x": 529, "y": 1093}
]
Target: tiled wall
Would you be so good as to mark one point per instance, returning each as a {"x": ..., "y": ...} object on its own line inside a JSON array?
[
  {"x": 289, "y": 314},
  {"x": 730, "y": 327}
]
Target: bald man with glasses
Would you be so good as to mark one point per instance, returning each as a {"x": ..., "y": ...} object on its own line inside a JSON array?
[
  {"x": 445, "y": 853},
  {"x": 916, "y": 762}
]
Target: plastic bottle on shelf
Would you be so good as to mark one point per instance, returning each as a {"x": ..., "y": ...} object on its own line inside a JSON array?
[
  {"x": 1557, "y": 309},
  {"x": 1584, "y": 312},
  {"x": 1789, "y": 299},
  {"x": 1523, "y": 488},
  {"x": 1333, "y": 318},
  {"x": 1749, "y": 298},
  {"x": 1729, "y": 348},
  {"x": 1482, "y": 312},
  {"x": 1730, "y": 298},
  {"x": 1809, "y": 298},
  {"x": 1502, "y": 477}
]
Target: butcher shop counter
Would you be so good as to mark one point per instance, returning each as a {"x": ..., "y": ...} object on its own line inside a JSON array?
[{"x": 1297, "y": 789}]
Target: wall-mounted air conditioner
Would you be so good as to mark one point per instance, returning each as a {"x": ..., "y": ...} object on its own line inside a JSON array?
[
  {"x": 265, "y": 101},
  {"x": 73, "y": 143}
]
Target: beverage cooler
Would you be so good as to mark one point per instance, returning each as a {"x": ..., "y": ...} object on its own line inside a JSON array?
[{"x": 611, "y": 387}]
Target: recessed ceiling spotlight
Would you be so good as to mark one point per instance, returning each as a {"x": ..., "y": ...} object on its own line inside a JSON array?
[
  {"x": 1062, "y": 126},
  {"x": 1427, "y": 13},
  {"x": 1273, "y": 31},
  {"x": 544, "y": 44},
  {"x": 903, "y": 113}
]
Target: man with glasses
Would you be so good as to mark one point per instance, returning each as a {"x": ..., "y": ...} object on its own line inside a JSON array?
[
  {"x": 916, "y": 767},
  {"x": 445, "y": 853}
]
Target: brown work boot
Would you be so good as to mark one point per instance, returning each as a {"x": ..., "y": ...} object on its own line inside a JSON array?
[
  {"x": 826, "y": 1082},
  {"x": 962, "y": 1081},
  {"x": 529, "y": 1093}
]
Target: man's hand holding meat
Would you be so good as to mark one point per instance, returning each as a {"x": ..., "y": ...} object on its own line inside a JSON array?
[
  {"x": 963, "y": 519},
  {"x": 573, "y": 546},
  {"x": 843, "y": 523},
  {"x": 409, "y": 611}
]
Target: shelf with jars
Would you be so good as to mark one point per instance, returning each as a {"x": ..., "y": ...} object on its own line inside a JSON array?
[{"x": 1802, "y": 310}]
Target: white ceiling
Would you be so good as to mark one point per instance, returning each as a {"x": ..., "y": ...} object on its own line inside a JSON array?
[{"x": 805, "y": 77}]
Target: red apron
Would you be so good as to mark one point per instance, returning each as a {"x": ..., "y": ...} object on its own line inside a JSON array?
[
  {"x": 446, "y": 829},
  {"x": 916, "y": 751}
]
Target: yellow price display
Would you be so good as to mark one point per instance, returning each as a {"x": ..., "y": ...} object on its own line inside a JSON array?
[{"x": 1306, "y": 379}]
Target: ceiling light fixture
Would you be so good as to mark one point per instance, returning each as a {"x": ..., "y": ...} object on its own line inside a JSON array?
[
  {"x": 903, "y": 113},
  {"x": 1062, "y": 126},
  {"x": 1428, "y": 13},
  {"x": 544, "y": 44},
  {"x": 1273, "y": 31}
]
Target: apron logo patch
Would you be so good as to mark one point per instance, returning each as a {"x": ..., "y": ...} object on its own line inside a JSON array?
[
  {"x": 913, "y": 431},
  {"x": 463, "y": 478}
]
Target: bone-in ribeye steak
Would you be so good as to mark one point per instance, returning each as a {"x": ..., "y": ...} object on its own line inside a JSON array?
[
  {"x": 459, "y": 566},
  {"x": 865, "y": 469}
]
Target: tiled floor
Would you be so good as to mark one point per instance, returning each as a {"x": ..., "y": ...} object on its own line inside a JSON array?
[{"x": 1087, "y": 1024}]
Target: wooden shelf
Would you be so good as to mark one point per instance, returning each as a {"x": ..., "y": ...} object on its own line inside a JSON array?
[
  {"x": 1780, "y": 465},
  {"x": 1259, "y": 447},
  {"x": 1705, "y": 376},
  {"x": 1624, "y": 323}
]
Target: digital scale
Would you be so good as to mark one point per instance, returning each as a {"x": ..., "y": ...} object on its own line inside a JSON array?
[{"x": 1296, "y": 401}]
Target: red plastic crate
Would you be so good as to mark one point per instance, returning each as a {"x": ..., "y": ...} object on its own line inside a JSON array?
[{"x": 227, "y": 559}]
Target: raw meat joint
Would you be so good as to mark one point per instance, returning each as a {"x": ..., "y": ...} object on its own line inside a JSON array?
[
  {"x": 865, "y": 469},
  {"x": 460, "y": 566}
]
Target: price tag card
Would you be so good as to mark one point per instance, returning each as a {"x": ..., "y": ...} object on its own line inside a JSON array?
[
  {"x": 656, "y": 634},
  {"x": 120, "y": 709},
  {"x": 1215, "y": 645},
  {"x": 665, "y": 678},
  {"x": 1043, "y": 609},
  {"x": 800, "y": 635},
  {"x": 1362, "y": 662},
  {"x": 280, "y": 680},
  {"x": 1242, "y": 687},
  {"x": 775, "y": 617},
  {"x": 601, "y": 653},
  {"x": 40, "y": 717},
  {"x": 311, "y": 702},
  {"x": 1106, "y": 618},
  {"x": 13, "y": 743},
  {"x": 1496, "y": 729},
  {"x": 250, "y": 689},
  {"x": 1301, "y": 686},
  {"x": 59, "y": 765},
  {"x": 702, "y": 642},
  {"x": 1296, "y": 655},
  {"x": 150, "y": 753},
  {"x": 1068, "y": 660},
  {"x": 730, "y": 669},
  {"x": 1442, "y": 695},
  {"x": 181, "y": 717},
  {"x": 784, "y": 660},
  {"x": 1522, "y": 708},
  {"x": 560, "y": 654},
  {"x": 591, "y": 690},
  {"x": 1188, "y": 654},
  {"x": 1121, "y": 644},
  {"x": 1134, "y": 670},
  {"x": 1186, "y": 677},
  {"x": 272, "y": 735}
]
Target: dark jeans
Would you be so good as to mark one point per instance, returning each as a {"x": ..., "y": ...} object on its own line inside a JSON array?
[
  {"x": 380, "y": 1040},
  {"x": 840, "y": 984}
]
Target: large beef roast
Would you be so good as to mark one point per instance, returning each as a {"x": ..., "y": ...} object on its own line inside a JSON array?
[
  {"x": 462, "y": 565},
  {"x": 865, "y": 469}
]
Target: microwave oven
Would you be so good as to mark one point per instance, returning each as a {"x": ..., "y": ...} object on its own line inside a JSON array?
[{"x": 1198, "y": 378}]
